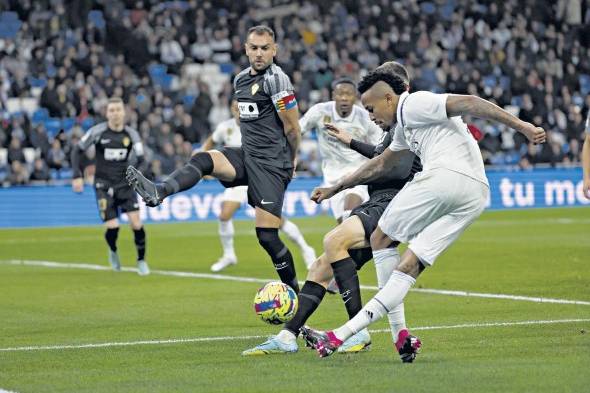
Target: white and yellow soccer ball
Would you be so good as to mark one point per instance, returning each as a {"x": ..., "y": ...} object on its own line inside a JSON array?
[{"x": 275, "y": 303}]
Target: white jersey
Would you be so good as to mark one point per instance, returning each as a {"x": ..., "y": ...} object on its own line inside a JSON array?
[
  {"x": 441, "y": 142},
  {"x": 337, "y": 158},
  {"x": 227, "y": 133}
]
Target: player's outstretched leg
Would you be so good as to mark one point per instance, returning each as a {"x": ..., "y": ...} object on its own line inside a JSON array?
[
  {"x": 146, "y": 189},
  {"x": 200, "y": 164}
]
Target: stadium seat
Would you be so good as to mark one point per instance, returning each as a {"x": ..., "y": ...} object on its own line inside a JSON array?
[
  {"x": 516, "y": 101},
  {"x": 37, "y": 82},
  {"x": 489, "y": 81},
  {"x": 96, "y": 17},
  {"x": 157, "y": 70},
  {"x": 226, "y": 68},
  {"x": 68, "y": 123},
  {"x": 40, "y": 115},
  {"x": 188, "y": 100},
  {"x": 87, "y": 123},
  {"x": 52, "y": 125},
  {"x": 584, "y": 84}
]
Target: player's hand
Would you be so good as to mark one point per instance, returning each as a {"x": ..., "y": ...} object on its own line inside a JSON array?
[
  {"x": 533, "y": 133},
  {"x": 321, "y": 193},
  {"x": 586, "y": 187},
  {"x": 78, "y": 185},
  {"x": 339, "y": 134}
]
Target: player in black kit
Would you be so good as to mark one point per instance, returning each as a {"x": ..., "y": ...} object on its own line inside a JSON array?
[
  {"x": 346, "y": 249},
  {"x": 269, "y": 122},
  {"x": 115, "y": 142}
]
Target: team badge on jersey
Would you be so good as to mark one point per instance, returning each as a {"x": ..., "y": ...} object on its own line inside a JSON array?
[
  {"x": 327, "y": 119},
  {"x": 284, "y": 101},
  {"x": 126, "y": 141},
  {"x": 255, "y": 88}
]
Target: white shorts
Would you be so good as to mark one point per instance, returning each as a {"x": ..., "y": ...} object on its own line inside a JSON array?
[
  {"x": 337, "y": 201},
  {"x": 237, "y": 194},
  {"x": 432, "y": 211}
]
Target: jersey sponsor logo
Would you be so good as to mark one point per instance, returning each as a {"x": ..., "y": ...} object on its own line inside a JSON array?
[
  {"x": 255, "y": 88},
  {"x": 111, "y": 154},
  {"x": 286, "y": 103},
  {"x": 104, "y": 141},
  {"x": 248, "y": 110}
]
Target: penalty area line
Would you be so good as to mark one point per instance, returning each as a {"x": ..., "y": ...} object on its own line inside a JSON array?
[
  {"x": 64, "y": 265},
  {"x": 241, "y": 338}
]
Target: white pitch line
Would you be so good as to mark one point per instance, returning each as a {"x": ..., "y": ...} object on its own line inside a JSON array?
[
  {"x": 238, "y": 338},
  {"x": 61, "y": 265}
]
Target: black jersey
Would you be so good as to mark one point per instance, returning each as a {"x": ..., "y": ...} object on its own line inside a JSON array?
[
  {"x": 260, "y": 97},
  {"x": 113, "y": 151},
  {"x": 393, "y": 185}
]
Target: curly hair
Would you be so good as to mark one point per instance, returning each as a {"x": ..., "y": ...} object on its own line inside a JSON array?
[{"x": 397, "y": 84}]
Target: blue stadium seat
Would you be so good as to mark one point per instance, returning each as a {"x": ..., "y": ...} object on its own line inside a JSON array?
[
  {"x": 584, "y": 84},
  {"x": 87, "y": 123},
  {"x": 226, "y": 68},
  {"x": 40, "y": 115},
  {"x": 96, "y": 17},
  {"x": 489, "y": 81},
  {"x": 66, "y": 173},
  {"x": 8, "y": 16},
  {"x": 52, "y": 125},
  {"x": 188, "y": 100},
  {"x": 36, "y": 82},
  {"x": 428, "y": 8},
  {"x": 67, "y": 123},
  {"x": 516, "y": 101},
  {"x": 157, "y": 70}
]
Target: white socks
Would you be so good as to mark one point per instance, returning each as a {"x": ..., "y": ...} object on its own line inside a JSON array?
[
  {"x": 226, "y": 234},
  {"x": 386, "y": 261},
  {"x": 386, "y": 299},
  {"x": 286, "y": 336},
  {"x": 293, "y": 233}
]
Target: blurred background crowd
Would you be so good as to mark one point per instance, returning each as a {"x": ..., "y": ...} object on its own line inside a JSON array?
[{"x": 173, "y": 63}]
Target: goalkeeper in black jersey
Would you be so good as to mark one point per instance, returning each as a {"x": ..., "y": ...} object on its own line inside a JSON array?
[{"x": 117, "y": 146}]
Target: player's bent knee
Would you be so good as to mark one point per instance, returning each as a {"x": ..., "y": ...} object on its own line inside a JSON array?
[
  {"x": 203, "y": 161},
  {"x": 334, "y": 240},
  {"x": 379, "y": 240}
]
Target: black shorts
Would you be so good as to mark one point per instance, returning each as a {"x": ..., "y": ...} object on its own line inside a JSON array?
[
  {"x": 266, "y": 184},
  {"x": 369, "y": 213},
  {"x": 113, "y": 200}
]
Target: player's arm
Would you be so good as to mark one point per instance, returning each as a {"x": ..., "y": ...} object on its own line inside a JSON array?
[
  {"x": 386, "y": 166},
  {"x": 586, "y": 161},
  {"x": 290, "y": 119},
  {"x": 366, "y": 149},
  {"x": 142, "y": 164},
  {"x": 459, "y": 105},
  {"x": 87, "y": 140}
]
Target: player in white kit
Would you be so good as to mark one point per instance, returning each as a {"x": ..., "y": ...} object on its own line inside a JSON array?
[
  {"x": 586, "y": 159},
  {"x": 338, "y": 159},
  {"x": 432, "y": 210},
  {"x": 227, "y": 133}
]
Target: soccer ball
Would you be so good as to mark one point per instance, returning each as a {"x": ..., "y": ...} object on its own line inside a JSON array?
[{"x": 275, "y": 303}]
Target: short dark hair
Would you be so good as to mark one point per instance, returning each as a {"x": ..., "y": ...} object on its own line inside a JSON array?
[
  {"x": 344, "y": 79},
  {"x": 396, "y": 83},
  {"x": 396, "y": 68},
  {"x": 115, "y": 100},
  {"x": 261, "y": 30}
]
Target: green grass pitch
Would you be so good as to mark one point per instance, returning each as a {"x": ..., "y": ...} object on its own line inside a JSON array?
[{"x": 534, "y": 253}]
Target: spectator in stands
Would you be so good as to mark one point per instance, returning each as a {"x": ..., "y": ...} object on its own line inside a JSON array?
[
  {"x": 15, "y": 151},
  {"x": 18, "y": 174},
  {"x": 56, "y": 157},
  {"x": 40, "y": 173}
]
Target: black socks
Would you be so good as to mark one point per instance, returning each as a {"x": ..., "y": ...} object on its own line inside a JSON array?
[
  {"x": 280, "y": 255},
  {"x": 348, "y": 284},
  {"x": 310, "y": 297},
  {"x": 110, "y": 236},
  {"x": 200, "y": 164},
  {"x": 139, "y": 235}
]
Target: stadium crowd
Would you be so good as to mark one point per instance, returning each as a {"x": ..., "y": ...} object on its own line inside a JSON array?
[{"x": 60, "y": 60}]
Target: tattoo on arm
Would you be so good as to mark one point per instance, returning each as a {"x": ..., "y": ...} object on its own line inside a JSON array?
[{"x": 458, "y": 105}]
